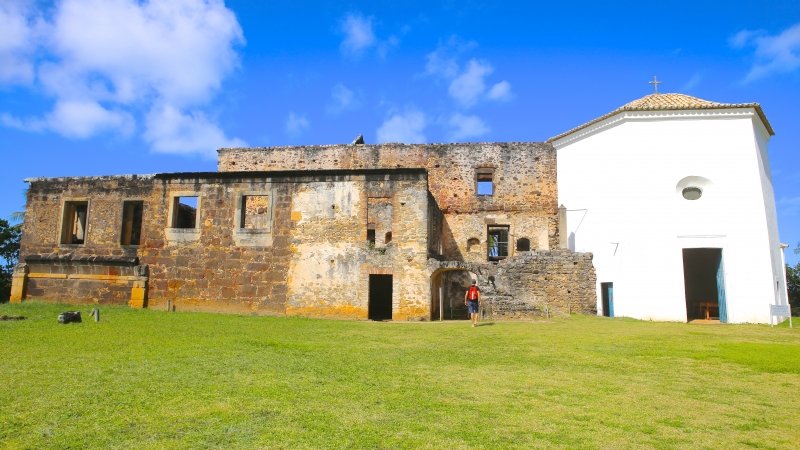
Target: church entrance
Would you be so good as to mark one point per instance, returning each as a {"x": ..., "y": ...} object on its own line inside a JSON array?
[
  {"x": 704, "y": 284},
  {"x": 380, "y": 297}
]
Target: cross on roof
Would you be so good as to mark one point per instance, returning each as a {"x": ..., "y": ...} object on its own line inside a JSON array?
[{"x": 655, "y": 83}]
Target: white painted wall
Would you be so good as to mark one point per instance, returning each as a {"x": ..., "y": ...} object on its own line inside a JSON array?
[{"x": 620, "y": 181}]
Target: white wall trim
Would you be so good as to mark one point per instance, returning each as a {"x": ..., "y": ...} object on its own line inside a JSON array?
[{"x": 624, "y": 116}]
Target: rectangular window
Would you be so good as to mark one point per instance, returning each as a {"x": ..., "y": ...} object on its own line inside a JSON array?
[
  {"x": 73, "y": 228},
  {"x": 484, "y": 179},
  {"x": 184, "y": 212},
  {"x": 255, "y": 212},
  {"x": 379, "y": 221},
  {"x": 497, "y": 242},
  {"x": 131, "y": 223}
]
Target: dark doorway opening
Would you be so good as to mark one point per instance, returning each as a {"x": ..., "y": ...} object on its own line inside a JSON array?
[
  {"x": 704, "y": 284},
  {"x": 380, "y": 297},
  {"x": 607, "y": 291},
  {"x": 448, "y": 288}
]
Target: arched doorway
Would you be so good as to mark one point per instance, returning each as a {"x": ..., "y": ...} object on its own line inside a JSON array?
[{"x": 448, "y": 287}]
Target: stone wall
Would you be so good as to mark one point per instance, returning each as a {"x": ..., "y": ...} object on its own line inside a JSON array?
[
  {"x": 524, "y": 174},
  {"x": 86, "y": 279},
  {"x": 314, "y": 257},
  {"x": 257, "y": 238},
  {"x": 44, "y": 213},
  {"x": 100, "y": 270},
  {"x": 557, "y": 281}
]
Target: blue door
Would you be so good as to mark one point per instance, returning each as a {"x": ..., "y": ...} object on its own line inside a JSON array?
[
  {"x": 607, "y": 292},
  {"x": 723, "y": 308}
]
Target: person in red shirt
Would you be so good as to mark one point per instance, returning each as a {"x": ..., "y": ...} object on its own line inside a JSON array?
[{"x": 472, "y": 298}]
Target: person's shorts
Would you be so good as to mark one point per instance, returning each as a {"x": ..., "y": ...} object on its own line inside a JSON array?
[{"x": 472, "y": 306}]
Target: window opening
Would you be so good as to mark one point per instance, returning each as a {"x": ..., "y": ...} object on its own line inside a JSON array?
[
  {"x": 184, "y": 212},
  {"x": 485, "y": 182},
  {"x": 131, "y": 223},
  {"x": 371, "y": 234},
  {"x": 255, "y": 212},
  {"x": 523, "y": 245},
  {"x": 497, "y": 242},
  {"x": 387, "y": 237},
  {"x": 74, "y": 224},
  {"x": 692, "y": 193}
]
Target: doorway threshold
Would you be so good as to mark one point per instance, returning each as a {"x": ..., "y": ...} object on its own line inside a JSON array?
[{"x": 704, "y": 321}]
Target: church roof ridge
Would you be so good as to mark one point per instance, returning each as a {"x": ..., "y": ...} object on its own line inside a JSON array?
[{"x": 670, "y": 102}]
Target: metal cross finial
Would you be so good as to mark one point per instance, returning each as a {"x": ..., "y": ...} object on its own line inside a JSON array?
[{"x": 655, "y": 83}]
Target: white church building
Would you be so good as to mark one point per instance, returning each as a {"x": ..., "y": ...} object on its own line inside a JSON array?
[{"x": 673, "y": 196}]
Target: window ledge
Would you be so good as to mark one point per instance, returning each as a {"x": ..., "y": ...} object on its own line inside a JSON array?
[
  {"x": 252, "y": 237},
  {"x": 182, "y": 234}
]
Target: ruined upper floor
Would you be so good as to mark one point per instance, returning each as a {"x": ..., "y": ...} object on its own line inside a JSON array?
[{"x": 462, "y": 177}]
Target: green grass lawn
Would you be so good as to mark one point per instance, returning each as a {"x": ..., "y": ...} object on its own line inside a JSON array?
[{"x": 152, "y": 379}]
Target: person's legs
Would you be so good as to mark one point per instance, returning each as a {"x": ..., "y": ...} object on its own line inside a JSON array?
[{"x": 472, "y": 307}]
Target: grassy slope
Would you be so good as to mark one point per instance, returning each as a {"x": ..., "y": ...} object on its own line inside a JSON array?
[{"x": 144, "y": 378}]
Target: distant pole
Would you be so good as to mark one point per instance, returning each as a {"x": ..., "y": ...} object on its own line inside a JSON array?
[
  {"x": 441, "y": 303},
  {"x": 655, "y": 84}
]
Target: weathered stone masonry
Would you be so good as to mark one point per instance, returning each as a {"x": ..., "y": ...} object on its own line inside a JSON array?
[
  {"x": 313, "y": 260},
  {"x": 306, "y": 230}
]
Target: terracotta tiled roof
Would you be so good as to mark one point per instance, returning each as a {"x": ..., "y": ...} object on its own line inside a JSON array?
[{"x": 670, "y": 102}]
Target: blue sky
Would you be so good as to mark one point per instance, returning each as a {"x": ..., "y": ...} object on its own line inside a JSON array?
[{"x": 100, "y": 87}]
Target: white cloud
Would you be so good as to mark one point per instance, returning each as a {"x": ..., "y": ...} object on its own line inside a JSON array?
[
  {"x": 132, "y": 56},
  {"x": 465, "y": 127},
  {"x": 740, "y": 39},
  {"x": 81, "y": 119},
  {"x": 170, "y": 130},
  {"x": 773, "y": 54},
  {"x": 296, "y": 124},
  {"x": 443, "y": 61},
  {"x": 75, "y": 119},
  {"x": 500, "y": 92},
  {"x": 405, "y": 127},
  {"x": 358, "y": 34},
  {"x": 342, "y": 99},
  {"x": 385, "y": 46},
  {"x": 17, "y": 43},
  {"x": 180, "y": 49},
  {"x": 469, "y": 86},
  {"x": 360, "y": 37}
]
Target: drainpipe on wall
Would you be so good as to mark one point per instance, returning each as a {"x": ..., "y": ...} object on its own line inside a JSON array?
[{"x": 562, "y": 227}]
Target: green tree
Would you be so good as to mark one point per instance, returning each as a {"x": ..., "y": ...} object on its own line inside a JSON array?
[
  {"x": 9, "y": 254},
  {"x": 793, "y": 284}
]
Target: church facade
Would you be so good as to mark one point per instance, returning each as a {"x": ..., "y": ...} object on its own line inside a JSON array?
[
  {"x": 396, "y": 231},
  {"x": 681, "y": 214}
]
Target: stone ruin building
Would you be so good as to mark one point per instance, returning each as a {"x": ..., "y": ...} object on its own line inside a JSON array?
[{"x": 388, "y": 231}]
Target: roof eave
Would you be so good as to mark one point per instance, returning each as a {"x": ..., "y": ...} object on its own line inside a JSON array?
[{"x": 755, "y": 106}]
